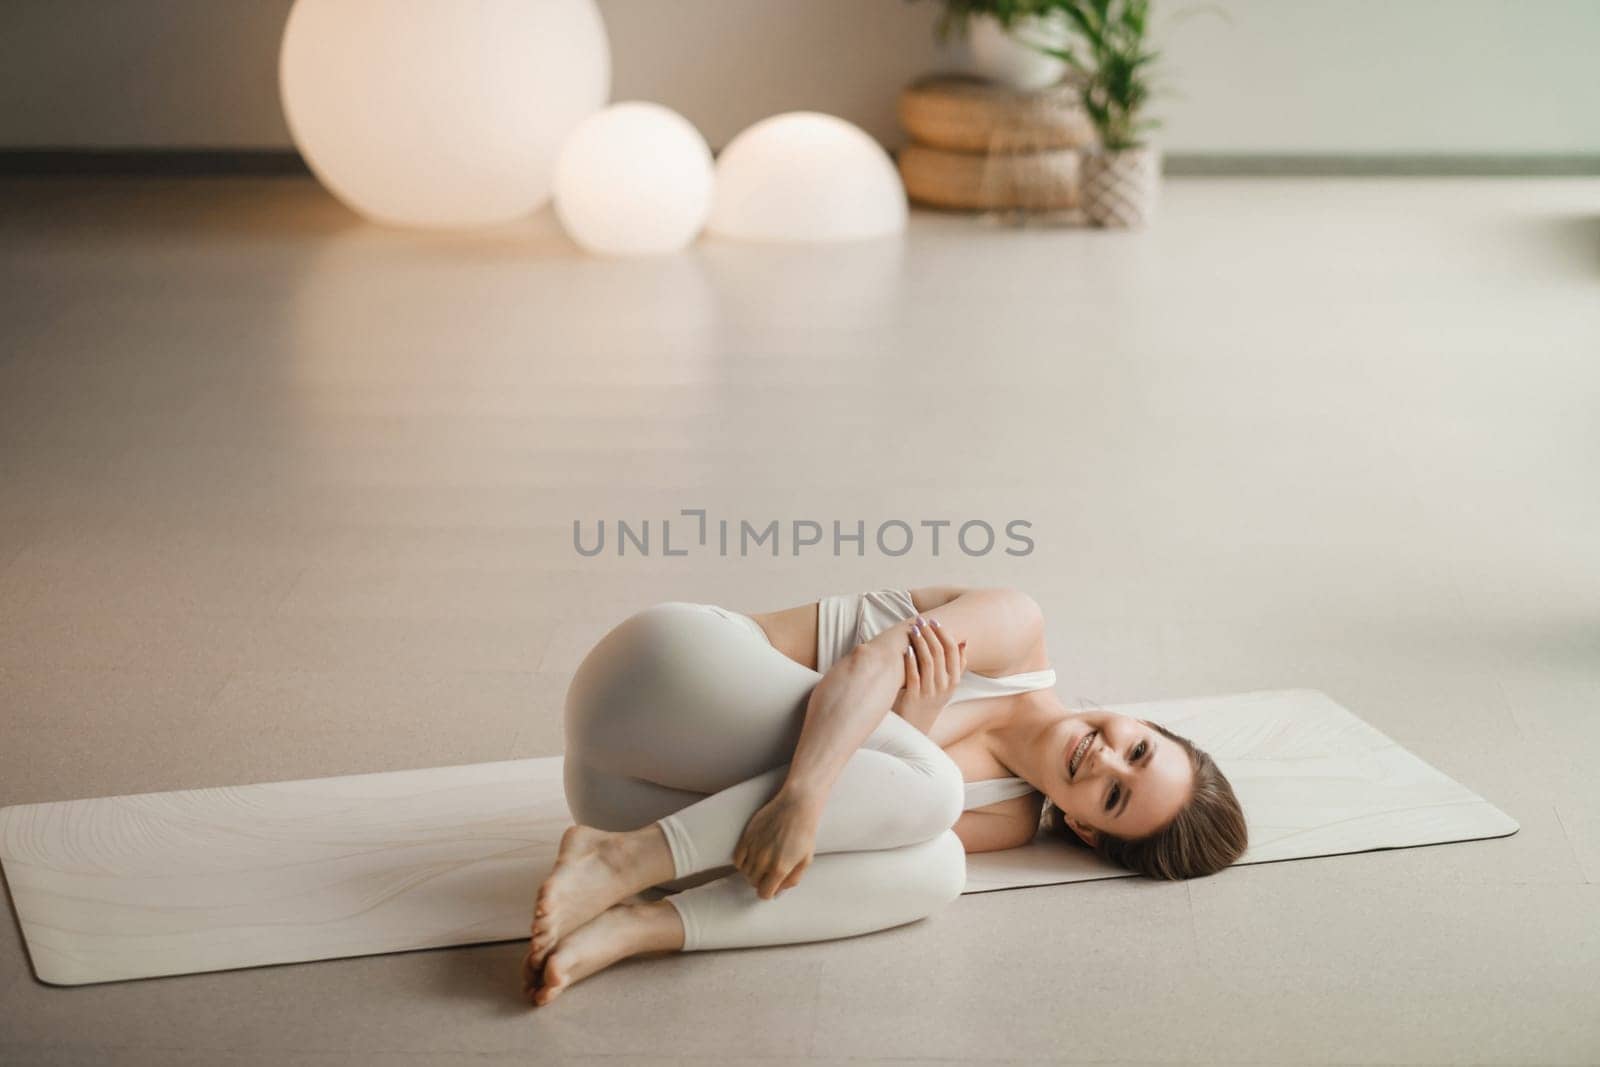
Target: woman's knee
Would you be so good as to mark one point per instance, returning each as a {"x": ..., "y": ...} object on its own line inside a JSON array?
[
  {"x": 941, "y": 871},
  {"x": 952, "y": 792},
  {"x": 939, "y": 799},
  {"x": 941, "y": 792},
  {"x": 947, "y": 790},
  {"x": 950, "y": 866}
]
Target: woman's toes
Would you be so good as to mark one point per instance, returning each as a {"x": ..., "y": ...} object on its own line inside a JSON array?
[{"x": 554, "y": 981}]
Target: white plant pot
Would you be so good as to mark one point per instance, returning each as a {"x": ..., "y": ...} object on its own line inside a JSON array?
[
  {"x": 1007, "y": 56},
  {"x": 1119, "y": 189}
]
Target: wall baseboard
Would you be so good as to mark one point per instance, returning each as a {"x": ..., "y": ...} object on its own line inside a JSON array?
[
  {"x": 224, "y": 162},
  {"x": 1207, "y": 165},
  {"x": 151, "y": 162}
]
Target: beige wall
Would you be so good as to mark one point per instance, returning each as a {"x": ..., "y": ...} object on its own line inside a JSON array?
[{"x": 1278, "y": 76}]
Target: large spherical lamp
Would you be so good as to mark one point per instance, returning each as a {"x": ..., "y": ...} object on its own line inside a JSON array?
[
  {"x": 440, "y": 113},
  {"x": 805, "y": 176},
  {"x": 633, "y": 180}
]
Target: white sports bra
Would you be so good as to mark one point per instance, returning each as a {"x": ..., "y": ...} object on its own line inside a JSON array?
[{"x": 848, "y": 619}]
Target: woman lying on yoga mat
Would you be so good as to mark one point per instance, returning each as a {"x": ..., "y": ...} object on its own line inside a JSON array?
[{"x": 699, "y": 739}]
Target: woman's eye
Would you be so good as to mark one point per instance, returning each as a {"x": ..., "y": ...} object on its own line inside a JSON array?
[
  {"x": 1138, "y": 750},
  {"x": 1111, "y": 801}
]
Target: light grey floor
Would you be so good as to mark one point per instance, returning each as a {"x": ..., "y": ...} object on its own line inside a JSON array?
[{"x": 285, "y": 496}]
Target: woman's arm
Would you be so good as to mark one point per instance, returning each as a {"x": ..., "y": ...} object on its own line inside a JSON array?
[
  {"x": 844, "y": 708},
  {"x": 1004, "y": 631},
  {"x": 848, "y": 704},
  {"x": 983, "y": 831},
  {"x": 1003, "y": 627}
]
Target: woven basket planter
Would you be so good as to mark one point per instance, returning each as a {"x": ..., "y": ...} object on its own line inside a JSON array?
[
  {"x": 964, "y": 181},
  {"x": 1119, "y": 189},
  {"x": 962, "y": 114}
]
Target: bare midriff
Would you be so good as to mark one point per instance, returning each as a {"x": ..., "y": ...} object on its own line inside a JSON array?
[{"x": 792, "y": 631}]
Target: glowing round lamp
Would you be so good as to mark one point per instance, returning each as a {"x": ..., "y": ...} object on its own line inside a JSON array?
[
  {"x": 438, "y": 113},
  {"x": 633, "y": 180},
  {"x": 805, "y": 176}
]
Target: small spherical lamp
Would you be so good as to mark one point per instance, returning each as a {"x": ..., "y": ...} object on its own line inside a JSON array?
[
  {"x": 438, "y": 113},
  {"x": 633, "y": 180},
  {"x": 805, "y": 176}
]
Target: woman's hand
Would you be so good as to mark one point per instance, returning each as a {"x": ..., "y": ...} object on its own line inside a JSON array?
[
  {"x": 935, "y": 662},
  {"x": 778, "y": 842}
]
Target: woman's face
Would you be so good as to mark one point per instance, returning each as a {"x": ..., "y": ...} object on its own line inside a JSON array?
[{"x": 1117, "y": 774}]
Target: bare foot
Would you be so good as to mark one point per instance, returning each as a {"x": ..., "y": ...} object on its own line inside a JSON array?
[
  {"x": 578, "y": 839},
  {"x": 575, "y": 840},
  {"x": 594, "y": 870},
  {"x": 615, "y": 934}
]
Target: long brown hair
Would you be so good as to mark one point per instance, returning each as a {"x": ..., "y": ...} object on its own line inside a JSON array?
[{"x": 1207, "y": 835}]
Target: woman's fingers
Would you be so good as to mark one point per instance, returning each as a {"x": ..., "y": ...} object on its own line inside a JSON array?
[
  {"x": 913, "y": 672},
  {"x": 935, "y": 654},
  {"x": 918, "y": 656},
  {"x": 794, "y": 875},
  {"x": 952, "y": 655},
  {"x": 768, "y": 879},
  {"x": 930, "y": 662}
]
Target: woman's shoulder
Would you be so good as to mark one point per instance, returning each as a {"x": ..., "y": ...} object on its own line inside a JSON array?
[{"x": 1012, "y": 616}]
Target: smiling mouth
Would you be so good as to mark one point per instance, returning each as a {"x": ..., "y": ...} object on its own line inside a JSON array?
[{"x": 1079, "y": 753}]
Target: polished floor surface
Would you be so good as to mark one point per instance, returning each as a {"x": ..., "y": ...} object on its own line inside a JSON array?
[{"x": 284, "y": 496}]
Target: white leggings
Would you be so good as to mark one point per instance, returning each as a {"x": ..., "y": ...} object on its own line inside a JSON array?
[{"x": 686, "y": 715}]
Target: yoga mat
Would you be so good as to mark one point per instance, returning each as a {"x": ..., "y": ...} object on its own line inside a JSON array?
[{"x": 284, "y": 872}]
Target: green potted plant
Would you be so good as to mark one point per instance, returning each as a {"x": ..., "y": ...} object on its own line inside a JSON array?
[
  {"x": 1012, "y": 41},
  {"x": 1110, "y": 54}
]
